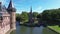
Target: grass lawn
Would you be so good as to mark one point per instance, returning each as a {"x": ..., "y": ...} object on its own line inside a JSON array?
[
  {"x": 56, "y": 28},
  {"x": 48, "y": 31},
  {"x": 13, "y": 32}
]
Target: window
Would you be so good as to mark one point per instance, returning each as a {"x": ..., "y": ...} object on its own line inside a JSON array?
[{"x": 1, "y": 18}]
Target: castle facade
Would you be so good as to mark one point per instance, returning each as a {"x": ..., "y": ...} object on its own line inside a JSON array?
[{"x": 7, "y": 17}]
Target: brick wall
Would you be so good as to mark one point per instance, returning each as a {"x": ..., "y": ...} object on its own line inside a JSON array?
[{"x": 5, "y": 25}]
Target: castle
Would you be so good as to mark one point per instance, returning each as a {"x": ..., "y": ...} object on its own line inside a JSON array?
[{"x": 7, "y": 18}]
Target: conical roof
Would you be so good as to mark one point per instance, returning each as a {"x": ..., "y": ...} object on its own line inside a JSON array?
[{"x": 11, "y": 4}]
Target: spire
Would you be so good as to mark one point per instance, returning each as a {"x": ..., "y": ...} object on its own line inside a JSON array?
[
  {"x": 0, "y": 6},
  {"x": 0, "y": 3},
  {"x": 10, "y": 5},
  {"x": 31, "y": 9},
  {"x": 31, "y": 12},
  {"x": 30, "y": 15}
]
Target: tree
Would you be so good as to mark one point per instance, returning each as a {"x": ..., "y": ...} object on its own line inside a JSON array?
[
  {"x": 18, "y": 17},
  {"x": 24, "y": 16},
  {"x": 35, "y": 14},
  {"x": 39, "y": 16},
  {"x": 51, "y": 16}
]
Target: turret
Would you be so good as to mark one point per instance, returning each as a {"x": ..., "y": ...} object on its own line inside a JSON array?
[{"x": 11, "y": 9}]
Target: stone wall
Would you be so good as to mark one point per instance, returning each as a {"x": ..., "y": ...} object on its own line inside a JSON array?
[
  {"x": 3, "y": 30},
  {"x": 5, "y": 25},
  {"x": 13, "y": 20}
]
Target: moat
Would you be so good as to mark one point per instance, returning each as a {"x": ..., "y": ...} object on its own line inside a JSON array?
[
  {"x": 32, "y": 30},
  {"x": 28, "y": 30}
]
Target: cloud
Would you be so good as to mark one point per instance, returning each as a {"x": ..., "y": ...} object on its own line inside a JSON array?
[{"x": 39, "y": 9}]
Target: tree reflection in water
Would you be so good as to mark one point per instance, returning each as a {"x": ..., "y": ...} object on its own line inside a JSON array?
[
  {"x": 28, "y": 30},
  {"x": 32, "y": 30}
]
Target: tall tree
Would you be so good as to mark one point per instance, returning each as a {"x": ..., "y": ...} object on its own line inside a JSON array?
[
  {"x": 24, "y": 16},
  {"x": 35, "y": 14}
]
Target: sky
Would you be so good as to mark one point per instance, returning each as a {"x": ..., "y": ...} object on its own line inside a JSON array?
[{"x": 37, "y": 5}]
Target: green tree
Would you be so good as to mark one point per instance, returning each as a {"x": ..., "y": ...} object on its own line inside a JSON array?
[
  {"x": 35, "y": 14},
  {"x": 24, "y": 16},
  {"x": 51, "y": 16},
  {"x": 18, "y": 17}
]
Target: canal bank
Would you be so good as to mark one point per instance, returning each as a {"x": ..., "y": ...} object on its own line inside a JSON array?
[
  {"x": 55, "y": 29},
  {"x": 47, "y": 30},
  {"x": 10, "y": 31},
  {"x": 32, "y": 30}
]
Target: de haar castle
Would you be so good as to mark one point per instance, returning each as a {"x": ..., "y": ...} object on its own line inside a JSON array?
[{"x": 7, "y": 18}]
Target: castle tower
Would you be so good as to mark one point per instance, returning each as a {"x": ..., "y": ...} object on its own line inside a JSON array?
[
  {"x": 12, "y": 12},
  {"x": 30, "y": 16}
]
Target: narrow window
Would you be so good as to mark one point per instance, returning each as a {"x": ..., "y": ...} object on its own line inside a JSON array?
[{"x": 1, "y": 19}]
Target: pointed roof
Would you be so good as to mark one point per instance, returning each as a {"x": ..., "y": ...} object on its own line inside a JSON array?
[
  {"x": 0, "y": 2},
  {"x": 3, "y": 11},
  {"x": 10, "y": 4},
  {"x": 31, "y": 9},
  {"x": 30, "y": 12},
  {"x": 0, "y": 6}
]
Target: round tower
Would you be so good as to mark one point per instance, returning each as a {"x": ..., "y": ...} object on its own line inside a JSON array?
[{"x": 12, "y": 12}]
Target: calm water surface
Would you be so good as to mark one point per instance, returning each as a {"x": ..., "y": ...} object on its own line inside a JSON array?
[
  {"x": 28, "y": 30},
  {"x": 32, "y": 30}
]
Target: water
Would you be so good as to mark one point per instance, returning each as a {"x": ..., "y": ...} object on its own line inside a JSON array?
[
  {"x": 32, "y": 30},
  {"x": 28, "y": 30}
]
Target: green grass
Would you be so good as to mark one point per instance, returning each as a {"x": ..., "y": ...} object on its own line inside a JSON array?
[
  {"x": 48, "y": 31},
  {"x": 13, "y": 32},
  {"x": 56, "y": 28}
]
